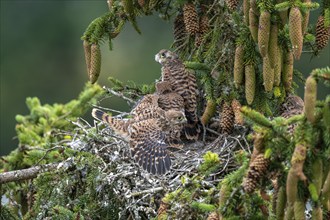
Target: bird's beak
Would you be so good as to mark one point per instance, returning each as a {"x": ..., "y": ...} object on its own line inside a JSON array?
[{"x": 157, "y": 58}]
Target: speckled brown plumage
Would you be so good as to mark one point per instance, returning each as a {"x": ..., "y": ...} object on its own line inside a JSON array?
[
  {"x": 293, "y": 105},
  {"x": 184, "y": 84},
  {"x": 147, "y": 137}
]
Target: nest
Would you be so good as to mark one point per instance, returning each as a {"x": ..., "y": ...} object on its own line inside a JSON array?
[{"x": 140, "y": 193}]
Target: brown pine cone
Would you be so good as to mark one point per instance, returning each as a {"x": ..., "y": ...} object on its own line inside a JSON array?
[
  {"x": 236, "y": 106},
  {"x": 257, "y": 170},
  {"x": 203, "y": 28},
  {"x": 227, "y": 118},
  {"x": 213, "y": 216},
  {"x": 190, "y": 17},
  {"x": 162, "y": 208},
  {"x": 179, "y": 30},
  {"x": 322, "y": 33},
  {"x": 232, "y": 4}
]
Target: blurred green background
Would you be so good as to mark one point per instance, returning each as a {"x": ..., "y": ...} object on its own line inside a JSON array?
[{"x": 42, "y": 55}]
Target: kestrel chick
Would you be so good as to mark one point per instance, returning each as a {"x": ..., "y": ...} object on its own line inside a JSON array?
[
  {"x": 183, "y": 83},
  {"x": 147, "y": 138}
]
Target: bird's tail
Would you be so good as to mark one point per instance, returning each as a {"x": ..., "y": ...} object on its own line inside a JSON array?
[{"x": 120, "y": 126}]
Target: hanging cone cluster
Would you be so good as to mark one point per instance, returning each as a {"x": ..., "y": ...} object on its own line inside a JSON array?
[
  {"x": 257, "y": 170},
  {"x": 232, "y": 4},
  {"x": 203, "y": 28},
  {"x": 190, "y": 17},
  {"x": 295, "y": 31},
  {"x": 322, "y": 33},
  {"x": 239, "y": 66},
  {"x": 236, "y": 106},
  {"x": 250, "y": 83},
  {"x": 179, "y": 30},
  {"x": 263, "y": 33},
  {"x": 227, "y": 119},
  {"x": 93, "y": 60},
  {"x": 213, "y": 216}
]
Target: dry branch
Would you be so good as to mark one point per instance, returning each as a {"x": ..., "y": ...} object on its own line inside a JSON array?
[{"x": 28, "y": 173}]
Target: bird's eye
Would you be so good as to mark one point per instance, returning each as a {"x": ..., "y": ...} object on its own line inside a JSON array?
[
  {"x": 181, "y": 118},
  {"x": 162, "y": 55}
]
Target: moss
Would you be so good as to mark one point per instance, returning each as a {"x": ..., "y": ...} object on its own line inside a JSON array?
[{"x": 203, "y": 207}]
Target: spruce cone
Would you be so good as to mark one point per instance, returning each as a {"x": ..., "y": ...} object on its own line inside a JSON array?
[
  {"x": 278, "y": 66},
  {"x": 273, "y": 45},
  {"x": 204, "y": 24},
  {"x": 322, "y": 33},
  {"x": 232, "y": 4},
  {"x": 227, "y": 119},
  {"x": 254, "y": 7},
  {"x": 257, "y": 170},
  {"x": 268, "y": 74},
  {"x": 239, "y": 66},
  {"x": 250, "y": 83},
  {"x": 287, "y": 70},
  {"x": 283, "y": 14},
  {"x": 263, "y": 33},
  {"x": 246, "y": 9},
  {"x": 295, "y": 31},
  {"x": 179, "y": 30},
  {"x": 190, "y": 18},
  {"x": 203, "y": 28},
  {"x": 305, "y": 19},
  {"x": 213, "y": 216},
  {"x": 95, "y": 67},
  {"x": 253, "y": 25},
  {"x": 236, "y": 106},
  {"x": 87, "y": 50},
  {"x": 310, "y": 98}
]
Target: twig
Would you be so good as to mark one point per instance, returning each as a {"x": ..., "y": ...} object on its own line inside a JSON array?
[
  {"x": 120, "y": 95},
  {"x": 153, "y": 190}
]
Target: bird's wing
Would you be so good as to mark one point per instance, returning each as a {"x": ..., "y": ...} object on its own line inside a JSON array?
[{"x": 148, "y": 147}]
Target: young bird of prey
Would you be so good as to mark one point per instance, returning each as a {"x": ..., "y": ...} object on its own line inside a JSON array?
[
  {"x": 147, "y": 137},
  {"x": 183, "y": 83}
]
